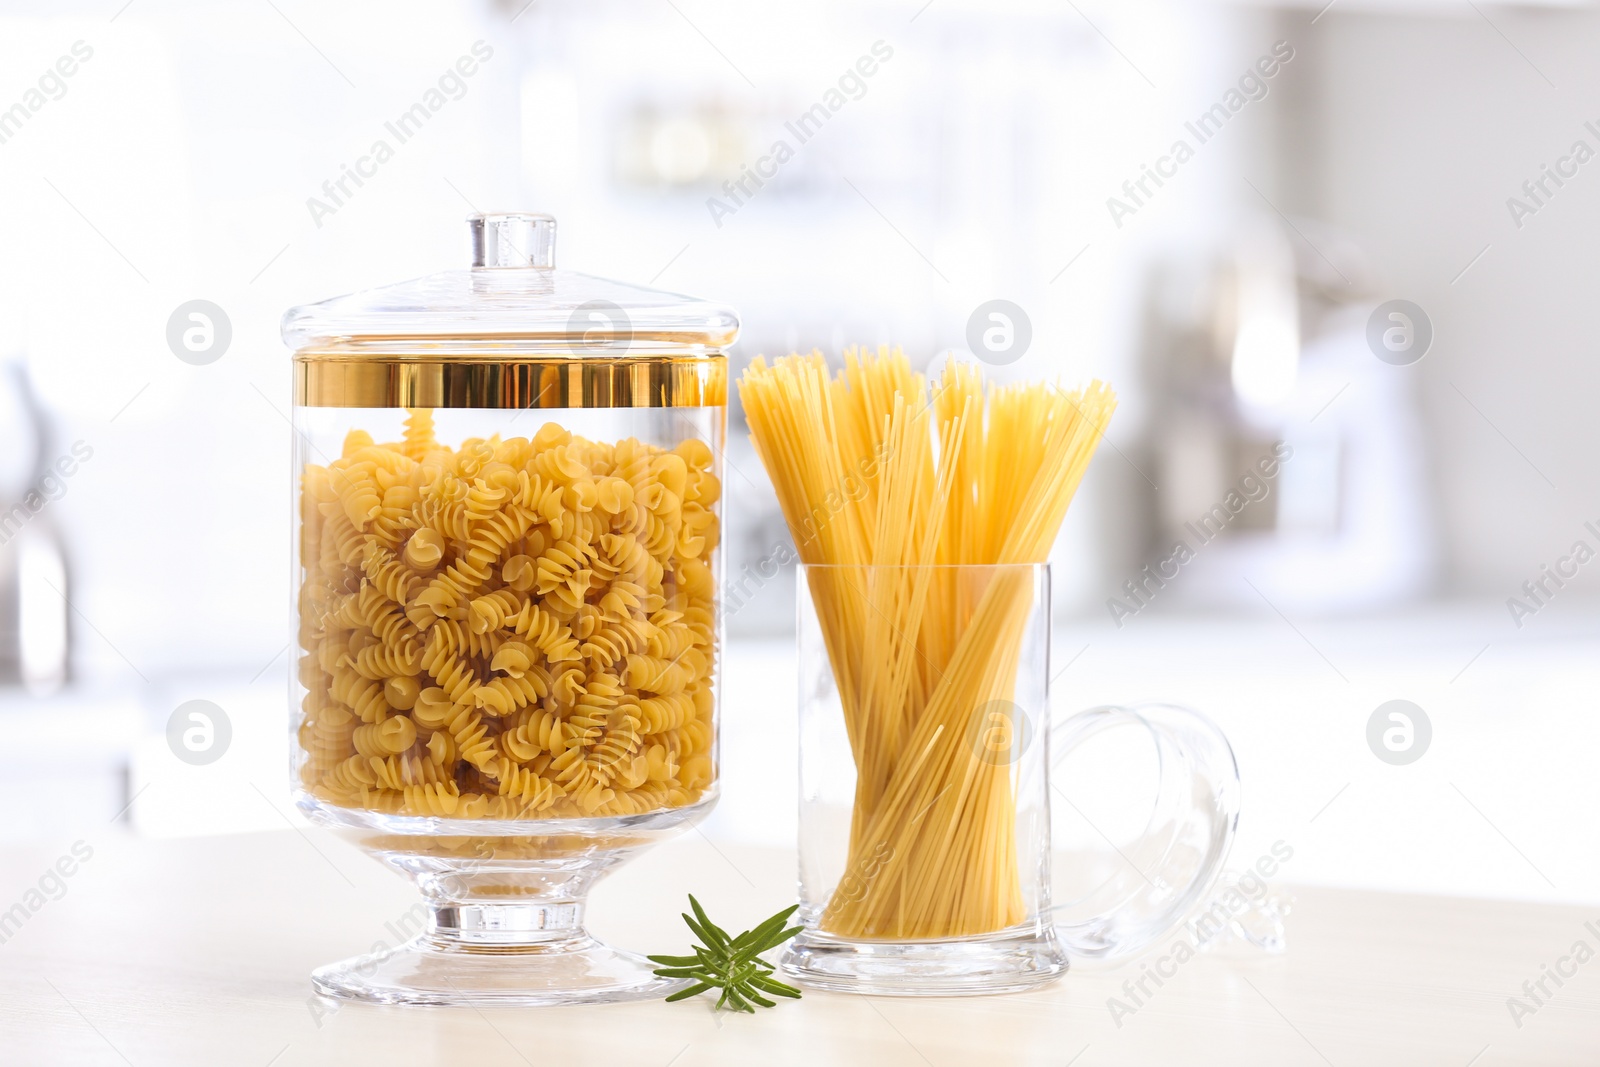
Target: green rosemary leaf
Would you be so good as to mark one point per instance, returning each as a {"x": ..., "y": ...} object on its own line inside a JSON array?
[
  {"x": 693, "y": 991},
  {"x": 774, "y": 939},
  {"x": 718, "y": 937},
  {"x": 682, "y": 972},
  {"x": 757, "y": 998},
  {"x": 712, "y": 936},
  {"x": 769, "y": 924},
  {"x": 775, "y": 987},
  {"x": 760, "y": 939},
  {"x": 712, "y": 949},
  {"x": 676, "y": 961},
  {"x": 766, "y": 929}
]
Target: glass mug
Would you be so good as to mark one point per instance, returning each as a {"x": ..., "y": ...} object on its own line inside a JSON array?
[{"x": 925, "y": 857}]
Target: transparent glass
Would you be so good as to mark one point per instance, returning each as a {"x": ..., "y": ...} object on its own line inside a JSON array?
[
  {"x": 925, "y": 847},
  {"x": 508, "y": 609}
]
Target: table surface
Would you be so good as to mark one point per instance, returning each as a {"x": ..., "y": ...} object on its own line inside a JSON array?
[{"x": 197, "y": 951}]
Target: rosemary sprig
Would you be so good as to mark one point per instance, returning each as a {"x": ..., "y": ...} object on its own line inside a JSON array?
[{"x": 731, "y": 964}]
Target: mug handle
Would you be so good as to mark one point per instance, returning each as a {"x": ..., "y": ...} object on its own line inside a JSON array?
[{"x": 1177, "y": 859}]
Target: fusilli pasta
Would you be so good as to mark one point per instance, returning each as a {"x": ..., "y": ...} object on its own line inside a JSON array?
[{"x": 517, "y": 628}]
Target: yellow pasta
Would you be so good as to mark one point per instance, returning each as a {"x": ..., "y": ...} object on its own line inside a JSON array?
[
  {"x": 515, "y": 628},
  {"x": 874, "y": 469}
]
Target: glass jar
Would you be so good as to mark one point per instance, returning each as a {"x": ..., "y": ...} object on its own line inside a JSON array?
[{"x": 508, "y": 614}]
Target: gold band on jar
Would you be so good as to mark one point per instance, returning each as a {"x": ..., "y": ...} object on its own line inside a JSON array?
[{"x": 340, "y": 380}]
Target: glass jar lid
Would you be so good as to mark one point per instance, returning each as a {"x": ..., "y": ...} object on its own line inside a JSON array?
[{"x": 514, "y": 293}]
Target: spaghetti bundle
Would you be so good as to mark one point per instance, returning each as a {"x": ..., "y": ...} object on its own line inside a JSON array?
[{"x": 894, "y": 484}]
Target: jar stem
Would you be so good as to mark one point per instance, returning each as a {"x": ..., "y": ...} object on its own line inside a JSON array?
[{"x": 507, "y": 926}]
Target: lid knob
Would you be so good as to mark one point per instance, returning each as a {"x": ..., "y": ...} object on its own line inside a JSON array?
[{"x": 513, "y": 239}]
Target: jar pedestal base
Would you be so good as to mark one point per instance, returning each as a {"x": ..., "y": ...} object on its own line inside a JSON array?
[
  {"x": 506, "y": 955},
  {"x": 422, "y": 971},
  {"x": 1002, "y": 963}
]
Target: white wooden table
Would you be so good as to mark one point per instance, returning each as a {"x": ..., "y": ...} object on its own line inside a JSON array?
[{"x": 197, "y": 951}]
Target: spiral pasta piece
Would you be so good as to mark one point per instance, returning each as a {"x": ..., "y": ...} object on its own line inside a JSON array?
[
  {"x": 390, "y": 737},
  {"x": 433, "y": 798},
  {"x": 519, "y": 781}
]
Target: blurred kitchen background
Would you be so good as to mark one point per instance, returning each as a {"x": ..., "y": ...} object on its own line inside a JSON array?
[{"x": 1229, "y": 294}]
